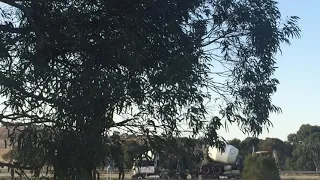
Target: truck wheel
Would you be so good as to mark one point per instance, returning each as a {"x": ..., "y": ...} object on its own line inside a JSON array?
[
  {"x": 183, "y": 176},
  {"x": 164, "y": 176},
  {"x": 205, "y": 170},
  {"x": 176, "y": 176},
  {"x": 139, "y": 177},
  {"x": 217, "y": 170}
]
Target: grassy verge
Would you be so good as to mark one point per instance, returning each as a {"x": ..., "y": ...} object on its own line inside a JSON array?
[{"x": 300, "y": 177}]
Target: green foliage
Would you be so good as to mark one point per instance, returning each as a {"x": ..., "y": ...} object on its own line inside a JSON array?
[
  {"x": 235, "y": 142},
  {"x": 312, "y": 148},
  {"x": 132, "y": 150},
  {"x": 246, "y": 146},
  {"x": 283, "y": 149},
  {"x": 67, "y": 67},
  {"x": 289, "y": 164},
  {"x": 305, "y": 155},
  {"x": 260, "y": 168},
  {"x": 305, "y": 131},
  {"x": 188, "y": 152}
]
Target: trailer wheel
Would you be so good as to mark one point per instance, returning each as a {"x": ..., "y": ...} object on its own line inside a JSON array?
[{"x": 217, "y": 169}]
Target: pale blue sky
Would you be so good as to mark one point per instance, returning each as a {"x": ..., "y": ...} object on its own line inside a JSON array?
[{"x": 298, "y": 92}]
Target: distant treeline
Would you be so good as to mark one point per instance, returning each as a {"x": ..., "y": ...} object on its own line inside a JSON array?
[{"x": 301, "y": 150}]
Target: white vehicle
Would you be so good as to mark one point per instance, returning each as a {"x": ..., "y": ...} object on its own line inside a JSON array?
[
  {"x": 221, "y": 162},
  {"x": 145, "y": 166},
  {"x": 148, "y": 166}
]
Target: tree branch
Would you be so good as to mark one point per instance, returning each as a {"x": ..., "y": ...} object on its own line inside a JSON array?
[
  {"x": 8, "y": 28},
  {"x": 26, "y": 11},
  {"x": 14, "y": 165},
  {"x": 14, "y": 4},
  {"x": 36, "y": 119}
]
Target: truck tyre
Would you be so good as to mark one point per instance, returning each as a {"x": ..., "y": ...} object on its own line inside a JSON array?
[
  {"x": 140, "y": 177},
  {"x": 176, "y": 176},
  {"x": 183, "y": 175},
  {"x": 164, "y": 176},
  {"x": 217, "y": 169},
  {"x": 205, "y": 170}
]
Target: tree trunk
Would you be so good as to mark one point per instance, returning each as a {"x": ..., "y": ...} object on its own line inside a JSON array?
[
  {"x": 12, "y": 173},
  {"x": 317, "y": 165}
]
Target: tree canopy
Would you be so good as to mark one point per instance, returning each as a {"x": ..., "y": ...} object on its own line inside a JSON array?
[
  {"x": 300, "y": 152},
  {"x": 69, "y": 66},
  {"x": 305, "y": 155}
]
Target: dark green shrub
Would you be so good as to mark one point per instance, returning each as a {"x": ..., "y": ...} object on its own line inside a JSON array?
[{"x": 260, "y": 168}]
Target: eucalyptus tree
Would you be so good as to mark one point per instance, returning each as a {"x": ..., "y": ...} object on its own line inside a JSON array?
[
  {"x": 71, "y": 65},
  {"x": 305, "y": 154}
]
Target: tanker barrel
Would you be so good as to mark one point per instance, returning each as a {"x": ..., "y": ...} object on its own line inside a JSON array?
[{"x": 229, "y": 156}]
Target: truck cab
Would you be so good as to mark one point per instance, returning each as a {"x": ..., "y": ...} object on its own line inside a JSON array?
[
  {"x": 145, "y": 166},
  {"x": 142, "y": 168}
]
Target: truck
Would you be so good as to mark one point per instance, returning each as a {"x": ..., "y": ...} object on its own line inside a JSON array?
[
  {"x": 218, "y": 165},
  {"x": 146, "y": 166}
]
